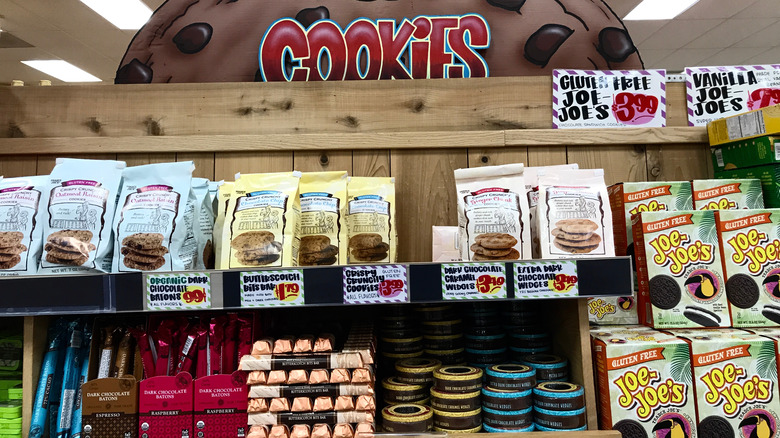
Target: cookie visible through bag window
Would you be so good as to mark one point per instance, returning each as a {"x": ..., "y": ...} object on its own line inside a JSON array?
[
  {"x": 531, "y": 177},
  {"x": 371, "y": 220},
  {"x": 493, "y": 216},
  {"x": 574, "y": 216},
  {"x": 80, "y": 201},
  {"x": 224, "y": 193},
  {"x": 262, "y": 220},
  {"x": 323, "y": 236},
  {"x": 20, "y": 224},
  {"x": 151, "y": 224}
]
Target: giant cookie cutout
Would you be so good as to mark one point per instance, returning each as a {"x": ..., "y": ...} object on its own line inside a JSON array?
[{"x": 218, "y": 40}]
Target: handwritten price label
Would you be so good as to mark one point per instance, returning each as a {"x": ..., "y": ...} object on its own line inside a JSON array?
[
  {"x": 490, "y": 284},
  {"x": 473, "y": 281},
  {"x": 375, "y": 284},
  {"x": 273, "y": 288},
  {"x": 634, "y": 109},
  {"x": 546, "y": 279},
  {"x": 763, "y": 97},
  {"x": 178, "y": 291}
]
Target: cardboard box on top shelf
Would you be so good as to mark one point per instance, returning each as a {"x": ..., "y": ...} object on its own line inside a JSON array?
[
  {"x": 770, "y": 181},
  {"x": 751, "y": 152},
  {"x": 764, "y": 121}
]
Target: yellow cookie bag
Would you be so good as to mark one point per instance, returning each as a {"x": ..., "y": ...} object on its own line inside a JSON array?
[
  {"x": 323, "y": 236},
  {"x": 224, "y": 192},
  {"x": 262, "y": 221},
  {"x": 371, "y": 220}
]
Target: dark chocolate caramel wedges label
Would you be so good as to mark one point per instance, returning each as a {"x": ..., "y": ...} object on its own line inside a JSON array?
[{"x": 473, "y": 281}]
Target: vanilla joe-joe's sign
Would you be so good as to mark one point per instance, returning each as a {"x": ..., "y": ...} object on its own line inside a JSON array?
[
  {"x": 718, "y": 92},
  {"x": 609, "y": 99}
]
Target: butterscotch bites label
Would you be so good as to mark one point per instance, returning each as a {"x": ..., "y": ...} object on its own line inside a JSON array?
[
  {"x": 727, "y": 194},
  {"x": 736, "y": 381},
  {"x": 751, "y": 250},
  {"x": 645, "y": 384},
  {"x": 680, "y": 270}
]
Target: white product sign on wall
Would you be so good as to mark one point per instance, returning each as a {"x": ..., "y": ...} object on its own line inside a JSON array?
[
  {"x": 609, "y": 99},
  {"x": 717, "y": 92}
]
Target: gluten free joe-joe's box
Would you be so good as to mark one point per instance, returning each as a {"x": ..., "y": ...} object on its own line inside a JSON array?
[
  {"x": 645, "y": 385},
  {"x": 679, "y": 270},
  {"x": 735, "y": 379}
]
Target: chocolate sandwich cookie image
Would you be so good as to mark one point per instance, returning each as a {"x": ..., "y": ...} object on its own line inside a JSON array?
[
  {"x": 715, "y": 426},
  {"x": 665, "y": 293},
  {"x": 630, "y": 429},
  {"x": 771, "y": 313},
  {"x": 701, "y": 316},
  {"x": 742, "y": 291}
]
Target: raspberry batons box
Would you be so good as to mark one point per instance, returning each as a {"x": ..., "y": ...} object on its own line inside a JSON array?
[
  {"x": 679, "y": 270},
  {"x": 645, "y": 384},
  {"x": 750, "y": 245}
]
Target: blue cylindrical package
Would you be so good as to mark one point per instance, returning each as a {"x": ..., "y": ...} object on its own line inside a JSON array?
[
  {"x": 70, "y": 380},
  {"x": 39, "y": 418},
  {"x": 75, "y": 422}
]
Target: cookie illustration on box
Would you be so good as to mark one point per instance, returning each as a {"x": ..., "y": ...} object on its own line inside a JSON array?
[
  {"x": 368, "y": 247},
  {"x": 216, "y": 41},
  {"x": 679, "y": 270},
  {"x": 69, "y": 247},
  {"x": 144, "y": 251},
  {"x": 256, "y": 248},
  {"x": 495, "y": 246},
  {"x": 750, "y": 242}
]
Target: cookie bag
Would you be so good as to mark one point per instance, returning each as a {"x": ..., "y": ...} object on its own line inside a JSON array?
[
  {"x": 371, "y": 220},
  {"x": 20, "y": 224},
  {"x": 204, "y": 229},
  {"x": 493, "y": 216},
  {"x": 79, "y": 204},
  {"x": 223, "y": 198},
  {"x": 531, "y": 177},
  {"x": 214, "y": 194},
  {"x": 262, "y": 221},
  {"x": 323, "y": 231},
  {"x": 575, "y": 218},
  {"x": 150, "y": 226}
]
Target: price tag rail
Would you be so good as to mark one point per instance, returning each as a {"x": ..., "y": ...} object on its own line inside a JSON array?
[{"x": 323, "y": 286}]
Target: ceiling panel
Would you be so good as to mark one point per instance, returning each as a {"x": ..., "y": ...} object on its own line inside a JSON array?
[
  {"x": 641, "y": 30},
  {"x": 679, "y": 59},
  {"x": 730, "y": 32},
  {"x": 678, "y": 33},
  {"x": 771, "y": 56},
  {"x": 732, "y": 56},
  {"x": 652, "y": 57},
  {"x": 715, "y": 9},
  {"x": 761, "y": 9}
]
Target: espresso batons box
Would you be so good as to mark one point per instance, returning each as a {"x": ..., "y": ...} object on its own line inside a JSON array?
[
  {"x": 727, "y": 194},
  {"x": 645, "y": 384},
  {"x": 735, "y": 380},
  {"x": 750, "y": 246},
  {"x": 679, "y": 270}
]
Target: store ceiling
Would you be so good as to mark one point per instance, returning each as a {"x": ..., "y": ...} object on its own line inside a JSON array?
[{"x": 712, "y": 32}]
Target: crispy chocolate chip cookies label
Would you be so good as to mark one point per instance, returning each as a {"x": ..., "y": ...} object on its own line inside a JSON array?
[
  {"x": 574, "y": 215},
  {"x": 371, "y": 220},
  {"x": 473, "y": 281},
  {"x": 750, "y": 240},
  {"x": 185, "y": 291},
  {"x": 322, "y": 233},
  {"x": 493, "y": 215},
  {"x": 727, "y": 194},
  {"x": 735, "y": 383},
  {"x": 262, "y": 221},
  {"x": 152, "y": 232},
  {"x": 20, "y": 241},
  {"x": 375, "y": 284},
  {"x": 80, "y": 202},
  {"x": 679, "y": 269},
  {"x": 277, "y": 288},
  {"x": 645, "y": 384}
]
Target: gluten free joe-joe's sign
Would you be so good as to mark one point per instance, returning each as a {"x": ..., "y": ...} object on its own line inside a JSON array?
[{"x": 609, "y": 99}]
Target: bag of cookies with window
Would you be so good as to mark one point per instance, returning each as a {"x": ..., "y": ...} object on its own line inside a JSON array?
[
  {"x": 371, "y": 220},
  {"x": 493, "y": 215},
  {"x": 323, "y": 232},
  {"x": 575, "y": 219},
  {"x": 151, "y": 233},
  {"x": 262, "y": 221},
  {"x": 20, "y": 225},
  {"x": 80, "y": 200},
  {"x": 204, "y": 225},
  {"x": 531, "y": 177},
  {"x": 223, "y": 198}
]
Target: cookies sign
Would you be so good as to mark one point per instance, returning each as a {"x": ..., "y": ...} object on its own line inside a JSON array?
[
  {"x": 188, "y": 291},
  {"x": 544, "y": 279},
  {"x": 375, "y": 284},
  {"x": 473, "y": 281},
  {"x": 272, "y": 288},
  {"x": 609, "y": 99}
]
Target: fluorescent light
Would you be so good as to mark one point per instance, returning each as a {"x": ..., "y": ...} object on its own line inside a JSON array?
[
  {"x": 658, "y": 9},
  {"x": 124, "y": 14},
  {"x": 62, "y": 70}
]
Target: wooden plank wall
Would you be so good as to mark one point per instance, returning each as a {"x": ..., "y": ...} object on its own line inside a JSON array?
[{"x": 424, "y": 177}]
